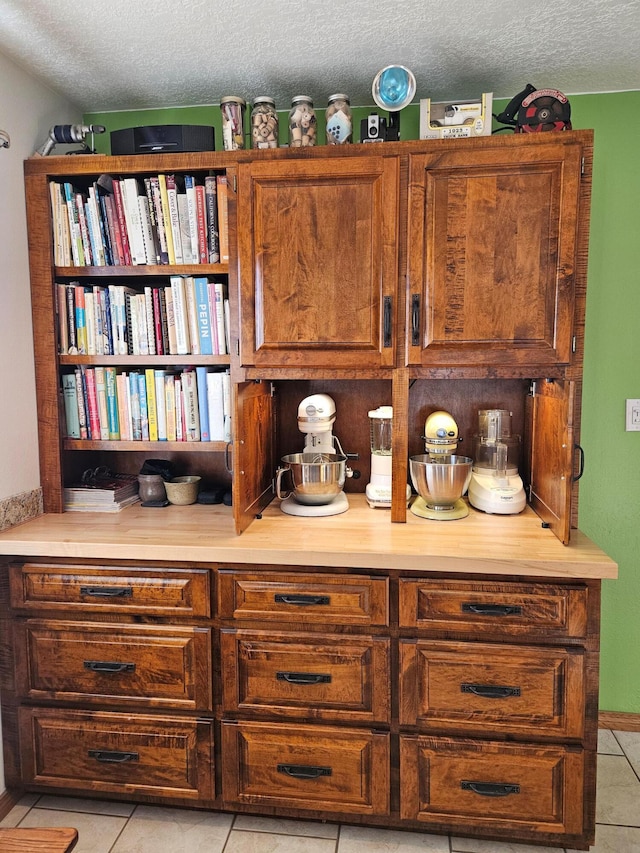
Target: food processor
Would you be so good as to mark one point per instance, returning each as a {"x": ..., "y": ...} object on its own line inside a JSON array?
[
  {"x": 378, "y": 491},
  {"x": 440, "y": 476},
  {"x": 496, "y": 486},
  {"x": 318, "y": 473}
]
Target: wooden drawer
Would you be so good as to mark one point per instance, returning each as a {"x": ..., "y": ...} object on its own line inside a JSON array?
[
  {"x": 106, "y": 664},
  {"x": 294, "y": 675},
  {"x": 476, "y": 607},
  {"x": 117, "y": 753},
  {"x": 98, "y": 589},
  {"x": 305, "y": 767},
  {"x": 304, "y": 598},
  {"x": 471, "y": 687},
  {"x": 489, "y": 786}
]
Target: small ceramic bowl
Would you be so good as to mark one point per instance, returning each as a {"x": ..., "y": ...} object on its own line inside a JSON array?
[{"x": 182, "y": 490}]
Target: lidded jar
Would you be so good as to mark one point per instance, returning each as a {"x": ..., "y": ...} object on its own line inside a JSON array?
[
  {"x": 302, "y": 122},
  {"x": 339, "y": 122},
  {"x": 232, "y": 108},
  {"x": 264, "y": 123}
]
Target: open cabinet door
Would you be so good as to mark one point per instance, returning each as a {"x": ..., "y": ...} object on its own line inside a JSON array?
[
  {"x": 551, "y": 454},
  {"x": 254, "y": 453}
]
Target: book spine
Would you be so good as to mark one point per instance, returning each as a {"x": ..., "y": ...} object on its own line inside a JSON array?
[
  {"x": 84, "y": 228},
  {"x": 129, "y": 188},
  {"x": 192, "y": 216},
  {"x": 201, "y": 217},
  {"x": 81, "y": 328},
  {"x": 113, "y": 419},
  {"x": 70, "y": 397},
  {"x": 63, "y": 325},
  {"x": 192, "y": 314},
  {"x": 222, "y": 338},
  {"x": 190, "y": 391},
  {"x": 170, "y": 406},
  {"x": 163, "y": 320},
  {"x": 223, "y": 218},
  {"x": 171, "y": 321},
  {"x": 122, "y": 223},
  {"x": 211, "y": 288},
  {"x": 107, "y": 322},
  {"x": 180, "y": 436},
  {"x": 203, "y": 413},
  {"x": 166, "y": 217},
  {"x": 110, "y": 250},
  {"x": 134, "y": 400},
  {"x": 71, "y": 318},
  {"x": 90, "y": 322},
  {"x": 153, "y": 223},
  {"x": 82, "y": 408},
  {"x": 174, "y": 219},
  {"x": 204, "y": 316},
  {"x": 147, "y": 230},
  {"x": 211, "y": 204},
  {"x": 185, "y": 230},
  {"x": 101, "y": 396},
  {"x": 152, "y": 406},
  {"x": 215, "y": 406},
  {"x": 180, "y": 314},
  {"x": 161, "y": 406},
  {"x": 157, "y": 320},
  {"x": 95, "y": 228},
  {"x": 92, "y": 403},
  {"x": 77, "y": 251},
  {"x": 144, "y": 408},
  {"x": 226, "y": 404},
  {"x": 141, "y": 314},
  {"x": 156, "y": 200},
  {"x": 114, "y": 231},
  {"x": 151, "y": 323}
]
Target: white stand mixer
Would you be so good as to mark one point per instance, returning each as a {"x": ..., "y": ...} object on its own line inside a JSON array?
[
  {"x": 496, "y": 486},
  {"x": 319, "y": 471}
]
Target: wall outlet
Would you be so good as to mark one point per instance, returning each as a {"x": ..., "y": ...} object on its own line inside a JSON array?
[{"x": 633, "y": 416}]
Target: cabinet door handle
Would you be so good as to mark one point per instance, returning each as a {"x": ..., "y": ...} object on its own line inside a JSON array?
[
  {"x": 301, "y": 600},
  {"x": 386, "y": 338},
  {"x": 490, "y": 789},
  {"x": 489, "y": 691},
  {"x": 107, "y": 591},
  {"x": 109, "y": 666},
  {"x": 112, "y": 757},
  {"x": 415, "y": 319},
  {"x": 304, "y": 771},
  {"x": 303, "y": 677},
  {"x": 492, "y": 609},
  {"x": 580, "y": 450}
]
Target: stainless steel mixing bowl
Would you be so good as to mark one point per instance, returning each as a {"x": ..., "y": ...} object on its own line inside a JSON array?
[
  {"x": 317, "y": 478},
  {"x": 440, "y": 482}
]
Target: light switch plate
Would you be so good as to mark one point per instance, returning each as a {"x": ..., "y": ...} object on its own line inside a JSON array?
[{"x": 633, "y": 416}]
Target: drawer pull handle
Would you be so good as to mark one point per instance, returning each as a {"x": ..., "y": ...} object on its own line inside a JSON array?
[
  {"x": 493, "y": 609},
  {"x": 301, "y": 600},
  {"x": 489, "y": 691},
  {"x": 491, "y": 789},
  {"x": 304, "y": 771},
  {"x": 386, "y": 335},
  {"x": 112, "y": 757},
  {"x": 107, "y": 591},
  {"x": 303, "y": 677},
  {"x": 415, "y": 319},
  {"x": 109, "y": 666}
]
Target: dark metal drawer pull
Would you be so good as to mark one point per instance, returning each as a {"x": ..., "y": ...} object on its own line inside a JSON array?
[
  {"x": 301, "y": 600},
  {"x": 303, "y": 677},
  {"x": 415, "y": 319},
  {"x": 109, "y": 666},
  {"x": 107, "y": 591},
  {"x": 304, "y": 771},
  {"x": 489, "y": 691},
  {"x": 491, "y": 789},
  {"x": 113, "y": 757},
  {"x": 386, "y": 334},
  {"x": 493, "y": 609}
]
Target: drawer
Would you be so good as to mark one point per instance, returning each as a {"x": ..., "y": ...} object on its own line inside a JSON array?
[
  {"x": 492, "y": 786},
  {"x": 304, "y": 598},
  {"x": 117, "y": 753},
  {"x": 102, "y": 589},
  {"x": 106, "y": 664},
  {"x": 467, "y": 687},
  {"x": 294, "y": 675},
  {"x": 314, "y": 768},
  {"x": 472, "y": 607}
]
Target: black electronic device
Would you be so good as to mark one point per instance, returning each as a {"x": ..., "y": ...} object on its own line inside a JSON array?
[{"x": 162, "y": 139}]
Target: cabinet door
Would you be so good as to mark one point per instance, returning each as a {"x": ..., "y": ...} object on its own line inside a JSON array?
[
  {"x": 492, "y": 254},
  {"x": 317, "y": 243},
  {"x": 253, "y": 451}
]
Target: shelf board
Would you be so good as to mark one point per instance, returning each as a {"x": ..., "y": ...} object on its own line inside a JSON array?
[
  {"x": 168, "y": 361},
  {"x": 143, "y": 270},
  {"x": 173, "y": 446}
]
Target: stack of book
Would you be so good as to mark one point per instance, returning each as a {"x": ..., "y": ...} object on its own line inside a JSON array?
[
  {"x": 101, "y": 492},
  {"x": 163, "y": 219}
]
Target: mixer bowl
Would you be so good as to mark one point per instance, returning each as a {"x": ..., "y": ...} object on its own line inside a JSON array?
[
  {"x": 440, "y": 482},
  {"x": 317, "y": 478}
]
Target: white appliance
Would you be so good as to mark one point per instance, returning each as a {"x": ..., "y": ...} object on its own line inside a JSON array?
[
  {"x": 378, "y": 491},
  {"x": 496, "y": 486}
]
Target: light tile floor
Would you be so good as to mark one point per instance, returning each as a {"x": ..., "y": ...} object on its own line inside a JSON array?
[{"x": 106, "y": 827}]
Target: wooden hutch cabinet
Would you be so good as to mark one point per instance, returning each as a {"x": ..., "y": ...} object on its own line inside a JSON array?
[{"x": 420, "y": 675}]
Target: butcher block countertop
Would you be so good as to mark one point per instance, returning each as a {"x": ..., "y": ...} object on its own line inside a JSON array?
[{"x": 359, "y": 538}]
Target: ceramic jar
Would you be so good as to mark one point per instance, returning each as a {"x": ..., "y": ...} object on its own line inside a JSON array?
[
  {"x": 302, "y": 122},
  {"x": 264, "y": 123},
  {"x": 339, "y": 121},
  {"x": 232, "y": 108},
  {"x": 151, "y": 488}
]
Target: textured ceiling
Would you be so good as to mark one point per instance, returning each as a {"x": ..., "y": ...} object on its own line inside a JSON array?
[{"x": 133, "y": 54}]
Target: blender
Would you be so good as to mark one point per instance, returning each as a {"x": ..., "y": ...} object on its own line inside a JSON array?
[
  {"x": 440, "y": 476},
  {"x": 496, "y": 486},
  {"x": 378, "y": 491},
  {"x": 318, "y": 473}
]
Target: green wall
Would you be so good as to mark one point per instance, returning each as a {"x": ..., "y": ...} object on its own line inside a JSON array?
[{"x": 610, "y": 487}]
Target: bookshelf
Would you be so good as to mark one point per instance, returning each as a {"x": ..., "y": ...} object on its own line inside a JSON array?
[{"x": 98, "y": 271}]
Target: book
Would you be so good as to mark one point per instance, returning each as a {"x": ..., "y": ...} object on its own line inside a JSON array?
[
  {"x": 201, "y": 286},
  {"x": 81, "y": 208},
  {"x": 81, "y": 327},
  {"x": 144, "y": 410},
  {"x": 215, "y": 406},
  {"x": 174, "y": 219},
  {"x": 61, "y": 314},
  {"x": 147, "y": 230},
  {"x": 82, "y": 408},
  {"x": 201, "y": 225},
  {"x": 219, "y": 291},
  {"x": 161, "y": 405},
  {"x": 179, "y": 396},
  {"x": 96, "y": 235},
  {"x": 101, "y": 396},
  {"x": 211, "y": 288},
  {"x": 211, "y": 205},
  {"x": 152, "y": 407},
  {"x": 171, "y": 321},
  {"x": 101, "y": 492},
  {"x": 223, "y": 218},
  {"x": 153, "y": 254},
  {"x": 71, "y": 319},
  {"x": 129, "y": 190},
  {"x": 122, "y": 223},
  {"x": 150, "y": 320},
  {"x": 159, "y": 217},
  {"x": 90, "y": 321},
  {"x": 70, "y": 399},
  {"x": 203, "y": 412},
  {"x": 77, "y": 250},
  {"x": 89, "y": 387},
  {"x": 113, "y": 420},
  {"x": 192, "y": 218},
  {"x": 124, "y": 411},
  {"x": 170, "y": 406},
  {"x": 179, "y": 301},
  {"x": 191, "y": 416},
  {"x": 134, "y": 403},
  {"x": 192, "y": 314},
  {"x": 185, "y": 229},
  {"x": 166, "y": 218}
]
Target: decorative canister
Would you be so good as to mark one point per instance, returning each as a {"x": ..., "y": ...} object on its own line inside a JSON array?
[
  {"x": 232, "y": 108},
  {"x": 339, "y": 123},
  {"x": 264, "y": 123},
  {"x": 302, "y": 122}
]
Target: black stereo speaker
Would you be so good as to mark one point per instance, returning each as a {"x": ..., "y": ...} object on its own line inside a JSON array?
[{"x": 162, "y": 139}]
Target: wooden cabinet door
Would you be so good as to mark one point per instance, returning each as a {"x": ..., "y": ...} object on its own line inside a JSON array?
[
  {"x": 317, "y": 242},
  {"x": 492, "y": 254},
  {"x": 253, "y": 451}
]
